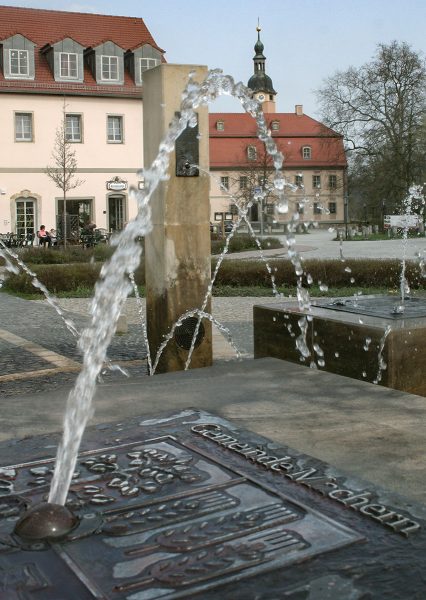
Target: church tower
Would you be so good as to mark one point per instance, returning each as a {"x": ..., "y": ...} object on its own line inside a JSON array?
[{"x": 259, "y": 82}]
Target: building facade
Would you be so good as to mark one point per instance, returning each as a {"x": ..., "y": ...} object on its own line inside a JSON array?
[
  {"x": 314, "y": 162},
  {"x": 83, "y": 72}
]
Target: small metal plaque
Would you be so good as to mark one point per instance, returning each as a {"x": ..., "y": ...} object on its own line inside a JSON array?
[
  {"x": 187, "y": 152},
  {"x": 186, "y": 506},
  {"x": 386, "y": 307}
]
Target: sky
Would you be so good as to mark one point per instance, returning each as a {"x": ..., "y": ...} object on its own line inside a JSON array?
[{"x": 305, "y": 41}]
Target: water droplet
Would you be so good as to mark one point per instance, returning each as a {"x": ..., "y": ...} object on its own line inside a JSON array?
[
  {"x": 101, "y": 499},
  {"x": 282, "y": 208},
  {"x": 7, "y": 473},
  {"x": 348, "y": 270},
  {"x": 323, "y": 287},
  {"x": 352, "y": 280},
  {"x": 364, "y": 374},
  {"x": 336, "y": 354},
  {"x": 318, "y": 350},
  {"x": 279, "y": 182}
]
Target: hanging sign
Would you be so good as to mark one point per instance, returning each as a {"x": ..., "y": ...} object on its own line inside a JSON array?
[{"x": 116, "y": 185}]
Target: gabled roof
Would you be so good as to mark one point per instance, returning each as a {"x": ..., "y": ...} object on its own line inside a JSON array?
[
  {"x": 46, "y": 27},
  {"x": 88, "y": 29},
  {"x": 291, "y": 124},
  {"x": 228, "y": 147}
]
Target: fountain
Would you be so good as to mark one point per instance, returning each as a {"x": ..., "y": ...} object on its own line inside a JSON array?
[
  {"x": 379, "y": 339},
  {"x": 188, "y": 504}
]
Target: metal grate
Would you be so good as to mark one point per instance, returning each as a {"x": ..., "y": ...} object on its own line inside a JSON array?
[{"x": 185, "y": 333}]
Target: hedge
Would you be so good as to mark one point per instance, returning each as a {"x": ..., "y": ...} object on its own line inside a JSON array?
[{"x": 236, "y": 273}]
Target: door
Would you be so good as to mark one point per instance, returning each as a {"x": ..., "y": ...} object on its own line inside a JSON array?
[
  {"x": 25, "y": 210},
  {"x": 116, "y": 213}
]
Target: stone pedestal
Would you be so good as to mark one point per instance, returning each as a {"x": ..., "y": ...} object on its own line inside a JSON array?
[
  {"x": 177, "y": 260},
  {"x": 350, "y": 341}
]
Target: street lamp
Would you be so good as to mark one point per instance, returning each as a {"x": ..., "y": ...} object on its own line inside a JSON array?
[
  {"x": 365, "y": 213},
  {"x": 383, "y": 215},
  {"x": 346, "y": 214}
]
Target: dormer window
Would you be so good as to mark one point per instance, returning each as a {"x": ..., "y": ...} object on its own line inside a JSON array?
[
  {"x": 147, "y": 63},
  {"x": 68, "y": 65},
  {"x": 106, "y": 63},
  {"x": 110, "y": 68},
  {"x": 307, "y": 152},
  {"x": 18, "y": 58},
  {"x": 220, "y": 125},
  {"x": 252, "y": 152},
  {"x": 142, "y": 59},
  {"x": 65, "y": 59},
  {"x": 19, "y": 66}
]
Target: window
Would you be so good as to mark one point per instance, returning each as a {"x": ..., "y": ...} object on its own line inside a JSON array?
[
  {"x": 332, "y": 182},
  {"x": 25, "y": 217},
  {"x": 73, "y": 128},
  {"x": 148, "y": 63},
  {"x": 298, "y": 180},
  {"x": 251, "y": 152},
  {"x": 317, "y": 208},
  {"x": 68, "y": 65},
  {"x": 224, "y": 183},
  {"x": 110, "y": 68},
  {"x": 332, "y": 208},
  {"x": 243, "y": 182},
  {"x": 316, "y": 181},
  {"x": 115, "y": 129},
  {"x": 220, "y": 125},
  {"x": 275, "y": 125},
  {"x": 307, "y": 152},
  {"x": 23, "y": 127},
  {"x": 300, "y": 208},
  {"x": 19, "y": 63}
]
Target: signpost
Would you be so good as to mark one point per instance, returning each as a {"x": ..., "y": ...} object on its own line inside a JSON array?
[{"x": 401, "y": 221}]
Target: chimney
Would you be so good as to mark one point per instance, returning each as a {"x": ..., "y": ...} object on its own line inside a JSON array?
[{"x": 298, "y": 109}]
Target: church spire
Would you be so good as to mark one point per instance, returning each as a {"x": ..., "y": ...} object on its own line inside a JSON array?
[{"x": 259, "y": 82}]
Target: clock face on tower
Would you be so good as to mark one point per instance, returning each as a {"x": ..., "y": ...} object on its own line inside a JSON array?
[{"x": 261, "y": 97}]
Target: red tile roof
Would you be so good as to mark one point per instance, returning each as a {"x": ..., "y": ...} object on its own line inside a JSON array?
[
  {"x": 228, "y": 147},
  {"x": 44, "y": 27}
]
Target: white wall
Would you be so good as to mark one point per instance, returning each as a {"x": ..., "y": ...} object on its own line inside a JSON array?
[{"x": 22, "y": 164}]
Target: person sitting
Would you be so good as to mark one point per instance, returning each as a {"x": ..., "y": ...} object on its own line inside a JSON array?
[
  {"x": 53, "y": 238},
  {"x": 43, "y": 236}
]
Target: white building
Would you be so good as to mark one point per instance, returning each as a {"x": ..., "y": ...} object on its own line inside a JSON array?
[{"x": 93, "y": 66}]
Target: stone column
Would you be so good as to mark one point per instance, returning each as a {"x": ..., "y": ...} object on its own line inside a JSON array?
[{"x": 177, "y": 251}]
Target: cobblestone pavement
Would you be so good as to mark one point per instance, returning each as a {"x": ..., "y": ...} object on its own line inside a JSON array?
[{"x": 38, "y": 352}]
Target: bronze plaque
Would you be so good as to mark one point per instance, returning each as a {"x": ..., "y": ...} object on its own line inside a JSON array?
[{"x": 187, "y": 506}]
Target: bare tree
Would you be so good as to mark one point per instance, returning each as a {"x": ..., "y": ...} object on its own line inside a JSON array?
[
  {"x": 380, "y": 109},
  {"x": 256, "y": 175},
  {"x": 64, "y": 169}
]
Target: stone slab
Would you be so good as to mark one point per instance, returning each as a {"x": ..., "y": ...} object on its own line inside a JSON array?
[
  {"x": 354, "y": 344},
  {"x": 189, "y": 505},
  {"x": 369, "y": 431}
]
